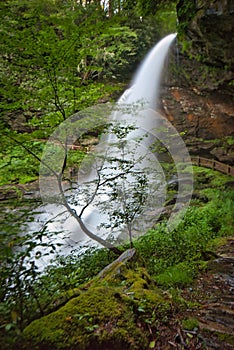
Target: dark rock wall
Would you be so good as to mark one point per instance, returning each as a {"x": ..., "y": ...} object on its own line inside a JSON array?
[
  {"x": 206, "y": 34},
  {"x": 200, "y": 100},
  {"x": 207, "y": 28}
]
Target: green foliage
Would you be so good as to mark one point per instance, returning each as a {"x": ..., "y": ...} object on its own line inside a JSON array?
[
  {"x": 17, "y": 165},
  {"x": 76, "y": 269},
  {"x": 24, "y": 287},
  {"x": 210, "y": 182},
  {"x": 179, "y": 275},
  {"x": 74, "y": 158},
  {"x": 174, "y": 258},
  {"x": 49, "y": 53},
  {"x": 18, "y": 268},
  {"x": 166, "y": 17},
  {"x": 57, "y": 58},
  {"x": 186, "y": 10},
  {"x": 146, "y": 8},
  {"x": 152, "y": 7}
]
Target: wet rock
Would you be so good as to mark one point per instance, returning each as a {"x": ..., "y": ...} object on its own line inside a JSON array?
[
  {"x": 223, "y": 155},
  {"x": 205, "y": 122},
  {"x": 123, "y": 258},
  {"x": 18, "y": 120},
  {"x": 230, "y": 184}
]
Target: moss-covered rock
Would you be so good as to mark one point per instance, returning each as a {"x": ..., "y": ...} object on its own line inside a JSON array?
[
  {"x": 98, "y": 316},
  {"x": 111, "y": 313}
]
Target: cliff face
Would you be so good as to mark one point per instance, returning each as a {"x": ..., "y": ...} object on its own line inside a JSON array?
[
  {"x": 200, "y": 102},
  {"x": 207, "y": 121}
]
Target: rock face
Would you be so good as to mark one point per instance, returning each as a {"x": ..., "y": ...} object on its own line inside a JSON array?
[
  {"x": 208, "y": 28},
  {"x": 200, "y": 100},
  {"x": 17, "y": 120},
  {"x": 206, "y": 121}
]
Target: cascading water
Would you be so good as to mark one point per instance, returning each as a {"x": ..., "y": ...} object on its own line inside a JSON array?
[
  {"x": 135, "y": 108},
  {"x": 143, "y": 93},
  {"x": 146, "y": 83}
]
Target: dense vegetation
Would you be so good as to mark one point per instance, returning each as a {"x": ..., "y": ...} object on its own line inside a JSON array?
[
  {"x": 165, "y": 261},
  {"x": 58, "y": 58}
]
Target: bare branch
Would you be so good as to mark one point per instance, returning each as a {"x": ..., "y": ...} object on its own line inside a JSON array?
[{"x": 64, "y": 201}]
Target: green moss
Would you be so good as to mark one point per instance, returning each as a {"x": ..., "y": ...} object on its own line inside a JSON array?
[
  {"x": 190, "y": 323},
  {"x": 105, "y": 313},
  {"x": 150, "y": 304},
  {"x": 98, "y": 315},
  {"x": 62, "y": 299},
  {"x": 138, "y": 278}
]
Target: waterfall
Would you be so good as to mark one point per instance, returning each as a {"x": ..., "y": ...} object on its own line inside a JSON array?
[
  {"x": 134, "y": 108},
  {"x": 138, "y": 106},
  {"x": 146, "y": 83}
]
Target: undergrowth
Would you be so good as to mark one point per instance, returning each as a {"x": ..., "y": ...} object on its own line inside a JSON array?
[{"x": 172, "y": 259}]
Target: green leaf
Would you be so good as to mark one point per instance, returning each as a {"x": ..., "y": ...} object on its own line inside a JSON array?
[
  {"x": 9, "y": 326},
  {"x": 140, "y": 309},
  {"x": 152, "y": 344}
]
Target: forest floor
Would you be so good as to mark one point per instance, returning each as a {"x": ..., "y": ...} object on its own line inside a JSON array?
[{"x": 213, "y": 290}]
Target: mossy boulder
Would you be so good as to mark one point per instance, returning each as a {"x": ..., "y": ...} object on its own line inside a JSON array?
[
  {"x": 112, "y": 312},
  {"x": 94, "y": 319}
]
